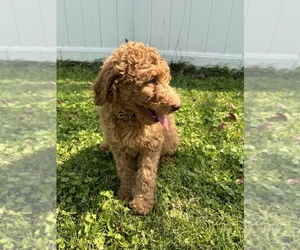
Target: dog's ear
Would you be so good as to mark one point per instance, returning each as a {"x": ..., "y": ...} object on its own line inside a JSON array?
[{"x": 104, "y": 82}]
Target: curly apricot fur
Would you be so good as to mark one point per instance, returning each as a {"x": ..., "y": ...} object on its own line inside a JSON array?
[{"x": 132, "y": 91}]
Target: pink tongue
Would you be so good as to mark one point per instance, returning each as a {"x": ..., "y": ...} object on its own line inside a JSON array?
[{"x": 164, "y": 121}]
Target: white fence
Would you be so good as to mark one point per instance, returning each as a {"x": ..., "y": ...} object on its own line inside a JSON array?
[
  {"x": 28, "y": 30},
  {"x": 271, "y": 34},
  {"x": 204, "y": 32}
]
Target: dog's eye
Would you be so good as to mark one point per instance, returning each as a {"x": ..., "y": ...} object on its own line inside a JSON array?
[{"x": 152, "y": 80}]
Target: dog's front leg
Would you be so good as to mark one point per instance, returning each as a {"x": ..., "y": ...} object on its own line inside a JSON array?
[
  {"x": 143, "y": 192},
  {"x": 126, "y": 173}
]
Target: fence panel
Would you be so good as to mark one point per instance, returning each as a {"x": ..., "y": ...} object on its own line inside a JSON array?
[
  {"x": 28, "y": 30},
  {"x": 271, "y": 38},
  {"x": 204, "y": 32}
]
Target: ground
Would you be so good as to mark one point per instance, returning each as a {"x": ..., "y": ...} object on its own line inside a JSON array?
[
  {"x": 199, "y": 196},
  {"x": 272, "y": 174}
]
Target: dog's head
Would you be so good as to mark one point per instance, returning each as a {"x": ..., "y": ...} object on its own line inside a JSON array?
[{"x": 136, "y": 77}]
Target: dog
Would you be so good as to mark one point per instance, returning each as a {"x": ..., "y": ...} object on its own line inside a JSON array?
[{"x": 135, "y": 104}]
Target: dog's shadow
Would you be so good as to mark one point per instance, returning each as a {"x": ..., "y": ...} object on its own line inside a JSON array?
[{"x": 81, "y": 178}]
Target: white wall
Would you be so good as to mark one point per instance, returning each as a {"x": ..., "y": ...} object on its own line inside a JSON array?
[
  {"x": 272, "y": 33},
  {"x": 28, "y": 30},
  {"x": 203, "y": 32}
]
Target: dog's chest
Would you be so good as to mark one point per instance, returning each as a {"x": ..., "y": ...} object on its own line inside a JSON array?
[{"x": 135, "y": 140}]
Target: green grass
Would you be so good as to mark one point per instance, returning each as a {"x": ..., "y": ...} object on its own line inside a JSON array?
[
  {"x": 199, "y": 198},
  {"x": 27, "y": 162},
  {"x": 272, "y": 159}
]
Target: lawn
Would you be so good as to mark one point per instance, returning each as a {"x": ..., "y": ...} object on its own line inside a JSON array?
[
  {"x": 272, "y": 146},
  {"x": 200, "y": 199},
  {"x": 27, "y": 155}
]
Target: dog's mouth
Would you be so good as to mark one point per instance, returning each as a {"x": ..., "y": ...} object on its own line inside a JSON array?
[{"x": 157, "y": 118}]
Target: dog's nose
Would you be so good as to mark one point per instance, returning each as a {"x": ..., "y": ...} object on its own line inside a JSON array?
[{"x": 176, "y": 106}]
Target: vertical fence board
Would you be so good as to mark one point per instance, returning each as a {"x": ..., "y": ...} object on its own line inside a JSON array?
[
  {"x": 26, "y": 19},
  {"x": 160, "y": 26},
  {"x": 142, "y": 20},
  {"x": 109, "y": 23},
  {"x": 125, "y": 20},
  {"x": 263, "y": 31},
  {"x": 285, "y": 40},
  {"x": 90, "y": 13},
  {"x": 218, "y": 26},
  {"x": 74, "y": 21},
  {"x": 48, "y": 16},
  {"x": 235, "y": 35},
  {"x": 8, "y": 27},
  {"x": 179, "y": 25},
  {"x": 62, "y": 25},
  {"x": 199, "y": 22}
]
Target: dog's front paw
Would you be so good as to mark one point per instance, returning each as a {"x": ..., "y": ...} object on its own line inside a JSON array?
[{"x": 142, "y": 205}]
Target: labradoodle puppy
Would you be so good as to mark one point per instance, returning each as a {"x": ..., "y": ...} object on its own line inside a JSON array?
[{"x": 136, "y": 103}]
